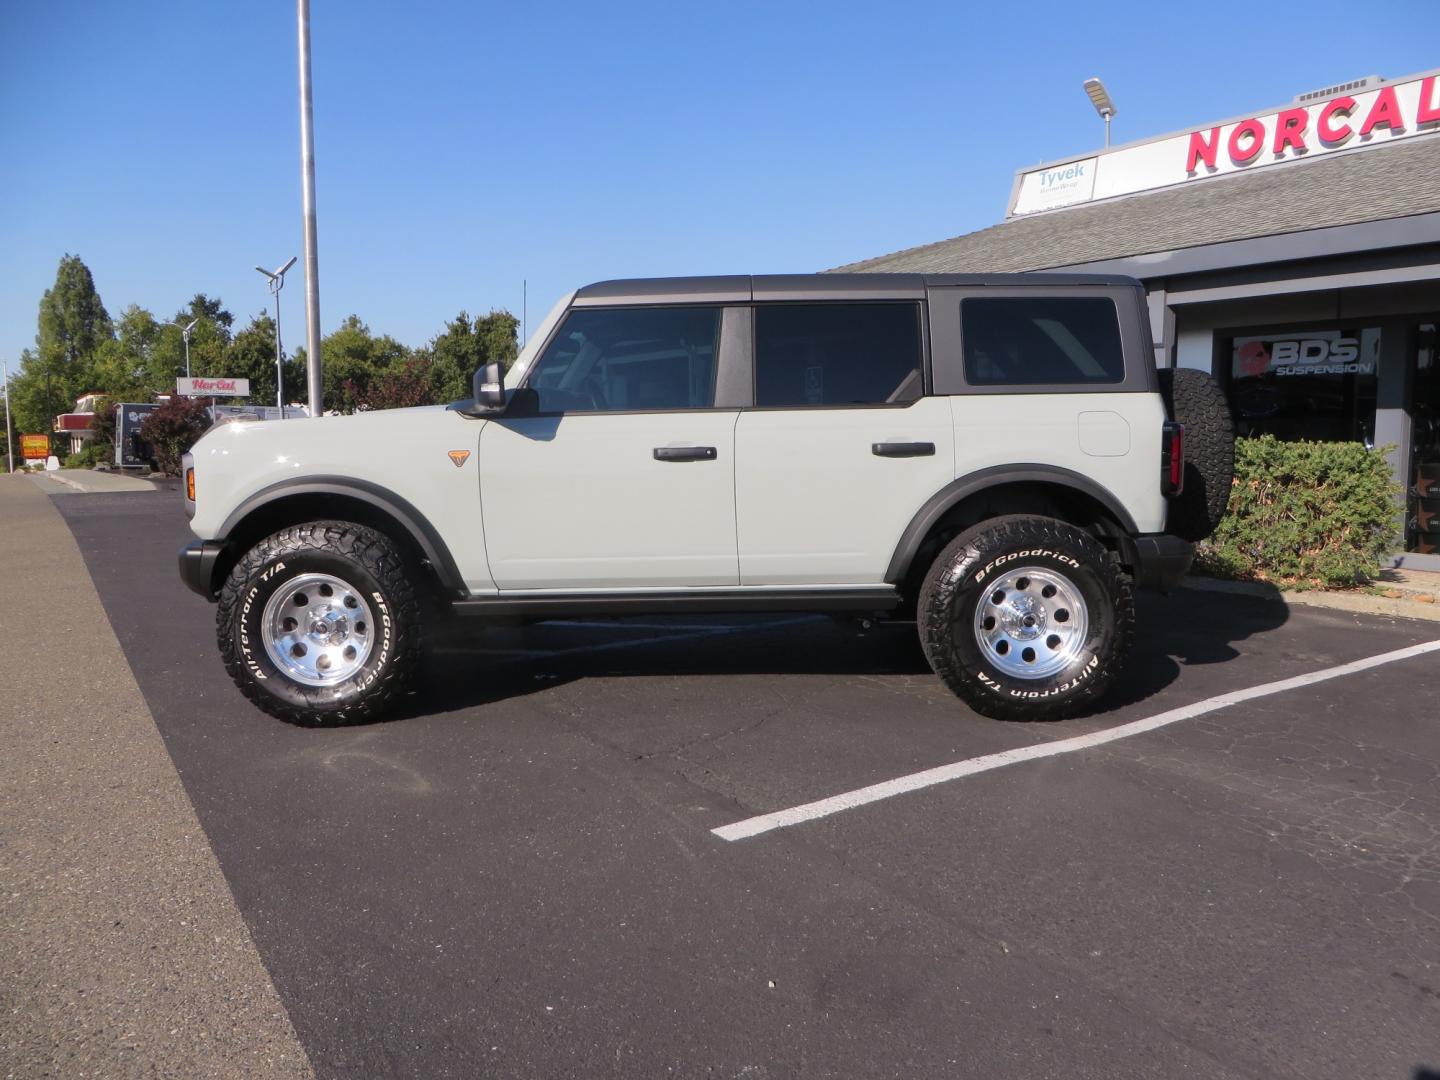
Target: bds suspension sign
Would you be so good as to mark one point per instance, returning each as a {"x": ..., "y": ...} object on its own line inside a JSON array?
[
  {"x": 202, "y": 387},
  {"x": 1384, "y": 113}
]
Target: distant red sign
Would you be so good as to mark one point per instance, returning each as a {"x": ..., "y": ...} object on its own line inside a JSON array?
[
  {"x": 217, "y": 387},
  {"x": 35, "y": 447}
]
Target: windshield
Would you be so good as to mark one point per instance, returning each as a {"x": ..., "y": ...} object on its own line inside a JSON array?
[{"x": 542, "y": 332}]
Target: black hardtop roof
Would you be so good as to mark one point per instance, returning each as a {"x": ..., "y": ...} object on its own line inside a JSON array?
[{"x": 739, "y": 288}]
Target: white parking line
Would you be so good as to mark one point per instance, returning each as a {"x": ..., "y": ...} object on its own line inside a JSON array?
[{"x": 781, "y": 819}]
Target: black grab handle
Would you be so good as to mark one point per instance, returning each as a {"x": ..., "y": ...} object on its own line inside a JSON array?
[
  {"x": 903, "y": 449},
  {"x": 685, "y": 453}
]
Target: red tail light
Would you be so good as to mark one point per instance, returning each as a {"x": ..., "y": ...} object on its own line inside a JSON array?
[{"x": 1172, "y": 458}]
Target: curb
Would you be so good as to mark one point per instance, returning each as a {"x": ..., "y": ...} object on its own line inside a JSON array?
[
  {"x": 1359, "y": 603},
  {"x": 63, "y": 480}
]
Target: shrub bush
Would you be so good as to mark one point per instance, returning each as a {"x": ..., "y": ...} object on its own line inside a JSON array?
[
  {"x": 1305, "y": 515},
  {"x": 172, "y": 429},
  {"x": 90, "y": 455}
]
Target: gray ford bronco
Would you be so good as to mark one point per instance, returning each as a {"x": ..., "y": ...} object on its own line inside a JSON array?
[{"x": 994, "y": 457}]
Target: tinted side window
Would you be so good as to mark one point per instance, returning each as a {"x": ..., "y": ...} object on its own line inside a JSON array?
[
  {"x": 630, "y": 359},
  {"x": 836, "y": 354},
  {"x": 1056, "y": 340}
]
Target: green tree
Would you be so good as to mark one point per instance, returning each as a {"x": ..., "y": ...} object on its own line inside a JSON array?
[
  {"x": 73, "y": 324},
  {"x": 251, "y": 355},
  {"x": 465, "y": 345},
  {"x": 353, "y": 359},
  {"x": 73, "y": 321}
]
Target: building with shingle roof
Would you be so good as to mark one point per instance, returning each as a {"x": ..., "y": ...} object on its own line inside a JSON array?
[{"x": 1293, "y": 253}]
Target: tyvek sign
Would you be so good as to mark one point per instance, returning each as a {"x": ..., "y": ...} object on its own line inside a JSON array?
[{"x": 1395, "y": 111}]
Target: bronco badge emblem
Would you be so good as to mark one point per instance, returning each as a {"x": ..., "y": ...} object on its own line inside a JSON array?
[{"x": 459, "y": 457}]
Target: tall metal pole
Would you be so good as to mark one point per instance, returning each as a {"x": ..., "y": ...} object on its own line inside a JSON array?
[
  {"x": 186, "y": 336},
  {"x": 307, "y": 179},
  {"x": 279, "y": 353},
  {"x": 9, "y": 437}
]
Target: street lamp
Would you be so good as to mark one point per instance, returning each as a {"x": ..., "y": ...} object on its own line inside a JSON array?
[
  {"x": 277, "y": 282},
  {"x": 9, "y": 438},
  {"x": 185, "y": 333},
  {"x": 1100, "y": 98}
]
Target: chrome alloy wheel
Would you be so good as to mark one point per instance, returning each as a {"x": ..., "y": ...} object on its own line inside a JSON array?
[
  {"x": 1032, "y": 623},
  {"x": 317, "y": 629}
]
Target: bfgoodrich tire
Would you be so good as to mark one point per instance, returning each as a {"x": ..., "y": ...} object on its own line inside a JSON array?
[
  {"x": 1195, "y": 399},
  {"x": 319, "y": 624},
  {"x": 1026, "y": 618}
]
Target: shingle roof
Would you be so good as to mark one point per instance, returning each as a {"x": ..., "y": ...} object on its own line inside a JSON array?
[{"x": 1370, "y": 185}]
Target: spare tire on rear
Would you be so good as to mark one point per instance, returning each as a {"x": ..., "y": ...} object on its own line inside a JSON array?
[{"x": 1193, "y": 398}]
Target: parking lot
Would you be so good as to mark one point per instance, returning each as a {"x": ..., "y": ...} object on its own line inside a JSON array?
[{"x": 520, "y": 876}]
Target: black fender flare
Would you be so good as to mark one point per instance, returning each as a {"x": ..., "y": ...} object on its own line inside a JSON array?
[
  {"x": 415, "y": 524},
  {"x": 997, "y": 476}
]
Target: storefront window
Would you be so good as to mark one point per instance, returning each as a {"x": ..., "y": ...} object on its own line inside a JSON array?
[
  {"x": 1423, "y": 521},
  {"x": 1306, "y": 384}
]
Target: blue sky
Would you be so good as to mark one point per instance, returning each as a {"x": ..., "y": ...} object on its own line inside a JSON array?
[{"x": 464, "y": 147}]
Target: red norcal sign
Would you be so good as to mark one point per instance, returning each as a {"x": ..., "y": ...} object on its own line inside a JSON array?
[
  {"x": 1327, "y": 126},
  {"x": 203, "y": 387}
]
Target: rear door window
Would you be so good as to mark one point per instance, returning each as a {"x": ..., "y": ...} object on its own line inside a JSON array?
[
  {"x": 836, "y": 354},
  {"x": 1060, "y": 341},
  {"x": 630, "y": 360}
]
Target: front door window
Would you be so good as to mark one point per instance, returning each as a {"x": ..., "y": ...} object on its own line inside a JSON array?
[{"x": 630, "y": 360}]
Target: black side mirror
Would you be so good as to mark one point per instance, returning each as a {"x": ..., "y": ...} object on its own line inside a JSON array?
[{"x": 488, "y": 386}]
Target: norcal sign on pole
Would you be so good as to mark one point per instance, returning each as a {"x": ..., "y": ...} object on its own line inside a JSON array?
[{"x": 203, "y": 387}]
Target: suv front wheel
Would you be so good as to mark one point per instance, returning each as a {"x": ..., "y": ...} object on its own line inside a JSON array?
[
  {"x": 1026, "y": 618},
  {"x": 319, "y": 623}
]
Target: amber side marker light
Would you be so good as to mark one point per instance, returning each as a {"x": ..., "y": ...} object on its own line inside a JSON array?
[{"x": 190, "y": 484}]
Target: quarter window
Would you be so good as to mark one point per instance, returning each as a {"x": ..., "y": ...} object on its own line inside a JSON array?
[
  {"x": 1041, "y": 341},
  {"x": 836, "y": 354},
  {"x": 630, "y": 360}
]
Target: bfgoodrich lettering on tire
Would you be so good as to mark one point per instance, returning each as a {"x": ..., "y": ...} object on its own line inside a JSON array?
[
  {"x": 319, "y": 624},
  {"x": 1026, "y": 618}
]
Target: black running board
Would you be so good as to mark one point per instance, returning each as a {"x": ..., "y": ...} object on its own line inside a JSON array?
[{"x": 738, "y": 601}]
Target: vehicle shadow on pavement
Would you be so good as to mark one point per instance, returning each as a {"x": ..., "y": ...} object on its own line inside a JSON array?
[
  {"x": 1189, "y": 629},
  {"x": 470, "y": 665}
]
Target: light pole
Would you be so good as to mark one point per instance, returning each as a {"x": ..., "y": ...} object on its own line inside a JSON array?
[
  {"x": 307, "y": 199},
  {"x": 277, "y": 282},
  {"x": 9, "y": 436},
  {"x": 185, "y": 333},
  {"x": 1100, "y": 98}
]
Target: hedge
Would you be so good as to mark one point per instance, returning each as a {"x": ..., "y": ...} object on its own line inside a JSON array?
[
  {"x": 1306, "y": 515},
  {"x": 172, "y": 429},
  {"x": 90, "y": 455}
]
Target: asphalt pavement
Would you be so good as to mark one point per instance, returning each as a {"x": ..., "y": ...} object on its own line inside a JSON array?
[{"x": 518, "y": 877}]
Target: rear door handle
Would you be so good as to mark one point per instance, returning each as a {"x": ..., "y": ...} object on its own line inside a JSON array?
[
  {"x": 903, "y": 449},
  {"x": 685, "y": 453}
]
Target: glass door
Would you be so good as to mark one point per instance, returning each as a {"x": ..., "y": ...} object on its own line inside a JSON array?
[{"x": 1422, "y": 522}]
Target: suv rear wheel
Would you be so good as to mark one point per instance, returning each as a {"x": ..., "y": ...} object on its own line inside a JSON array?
[
  {"x": 1026, "y": 618},
  {"x": 319, "y": 624}
]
